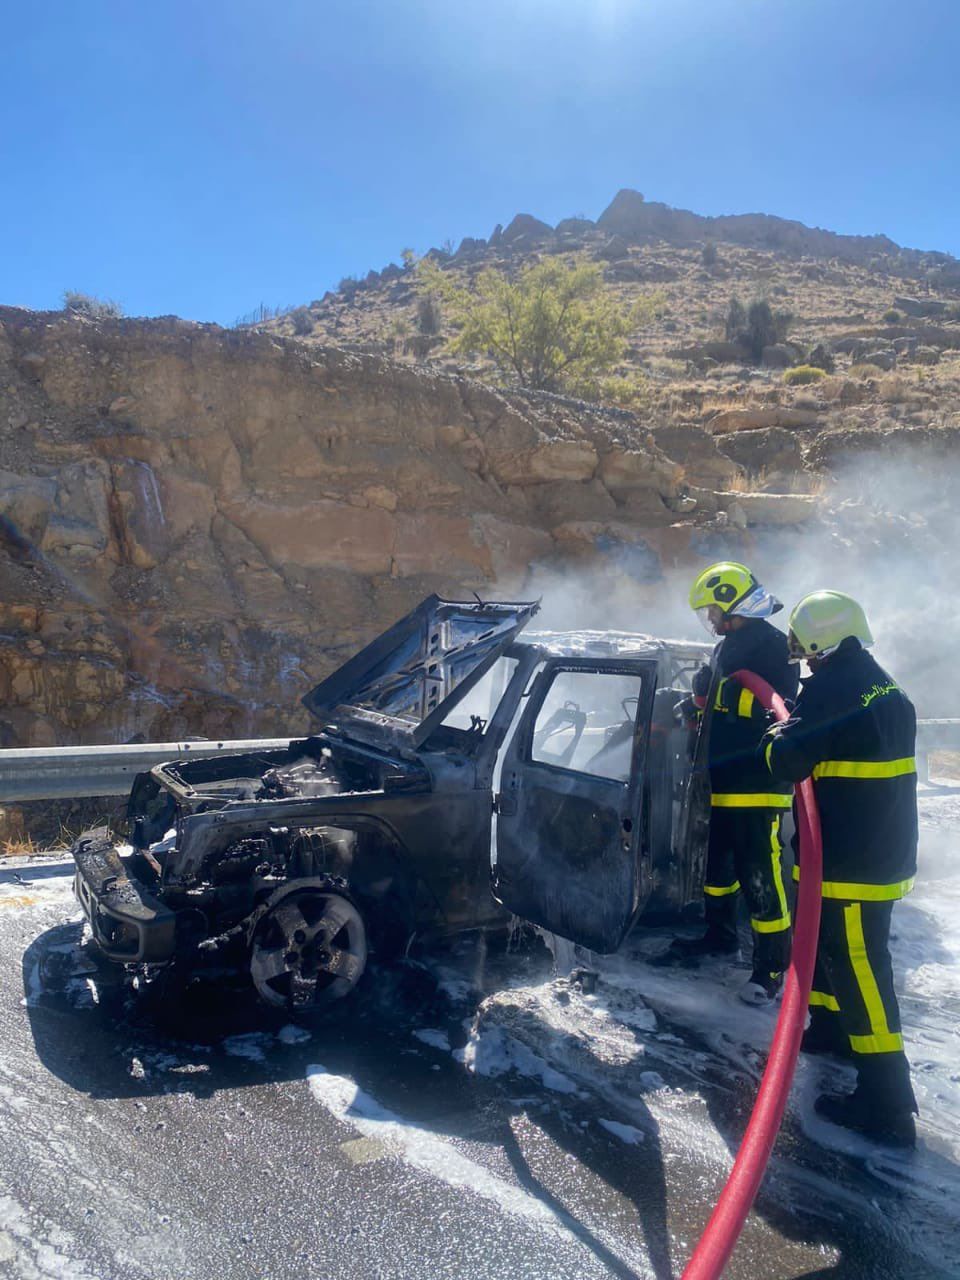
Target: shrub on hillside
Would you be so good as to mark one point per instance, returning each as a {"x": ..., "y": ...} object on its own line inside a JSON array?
[
  {"x": 708, "y": 255},
  {"x": 765, "y": 327},
  {"x": 302, "y": 321},
  {"x": 756, "y": 326},
  {"x": 553, "y": 326},
  {"x": 429, "y": 315},
  {"x": 866, "y": 371},
  {"x": 893, "y": 316},
  {"x": 86, "y": 304},
  {"x": 821, "y": 358},
  {"x": 736, "y": 320},
  {"x": 802, "y": 374}
]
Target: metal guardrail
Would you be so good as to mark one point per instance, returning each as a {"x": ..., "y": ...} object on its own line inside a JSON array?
[{"x": 68, "y": 773}]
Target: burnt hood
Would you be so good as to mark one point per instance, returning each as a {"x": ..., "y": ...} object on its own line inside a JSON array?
[{"x": 400, "y": 687}]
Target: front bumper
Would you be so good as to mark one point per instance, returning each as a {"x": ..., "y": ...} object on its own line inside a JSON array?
[{"x": 128, "y": 924}]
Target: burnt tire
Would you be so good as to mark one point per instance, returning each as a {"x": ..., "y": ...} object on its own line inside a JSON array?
[{"x": 308, "y": 946}]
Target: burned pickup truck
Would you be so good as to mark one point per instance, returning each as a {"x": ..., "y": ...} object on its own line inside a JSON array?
[{"x": 459, "y": 776}]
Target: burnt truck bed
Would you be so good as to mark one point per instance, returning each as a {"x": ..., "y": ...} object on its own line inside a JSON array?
[{"x": 459, "y": 775}]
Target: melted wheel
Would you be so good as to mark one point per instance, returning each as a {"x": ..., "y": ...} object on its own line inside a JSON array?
[{"x": 308, "y": 950}]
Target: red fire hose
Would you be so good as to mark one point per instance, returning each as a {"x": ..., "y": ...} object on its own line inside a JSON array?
[{"x": 726, "y": 1221}]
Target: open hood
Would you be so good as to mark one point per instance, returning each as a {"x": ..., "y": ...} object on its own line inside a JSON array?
[{"x": 400, "y": 687}]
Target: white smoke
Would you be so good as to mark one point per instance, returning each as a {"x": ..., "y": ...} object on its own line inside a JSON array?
[{"x": 889, "y": 534}]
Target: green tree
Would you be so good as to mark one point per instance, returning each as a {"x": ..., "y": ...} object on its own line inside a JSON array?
[
  {"x": 554, "y": 327},
  {"x": 408, "y": 258}
]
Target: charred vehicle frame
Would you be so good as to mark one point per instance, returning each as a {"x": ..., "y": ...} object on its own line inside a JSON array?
[{"x": 459, "y": 776}]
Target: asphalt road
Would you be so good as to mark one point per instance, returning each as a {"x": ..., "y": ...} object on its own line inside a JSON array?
[{"x": 142, "y": 1138}]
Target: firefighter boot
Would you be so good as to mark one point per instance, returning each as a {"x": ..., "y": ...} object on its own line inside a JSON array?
[
  {"x": 762, "y": 987},
  {"x": 881, "y": 1107},
  {"x": 718, "y": 939},
  {"x": 712, "y": 942}
]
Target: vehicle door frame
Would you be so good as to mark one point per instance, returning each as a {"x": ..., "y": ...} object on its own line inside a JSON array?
[{"x": 518, "y": 766}]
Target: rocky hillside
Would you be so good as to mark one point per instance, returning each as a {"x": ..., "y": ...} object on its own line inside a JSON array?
[
  {"x": 196, "y": 524},
  {"x": 858, "y": 297}
]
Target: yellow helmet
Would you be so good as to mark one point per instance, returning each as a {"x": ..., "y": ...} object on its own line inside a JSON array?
[
  {"x": 822, "y": 621},
  {"x": 733, "y": 589}
]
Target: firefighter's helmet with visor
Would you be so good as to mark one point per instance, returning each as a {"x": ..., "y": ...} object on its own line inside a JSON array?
[
  {"x": 727, "y": 590},
  {"x": 822, "y": 621}
]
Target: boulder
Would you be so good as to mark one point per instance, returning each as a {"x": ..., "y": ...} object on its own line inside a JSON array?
[
  {"x": 926, "y": 355},
  {"x": 470, "y": 246},
  {"x": 722, "y": 352},
  {"x": 777, "y": 356},
  {"x": 882, "y": 358},
  {"x": 698, "y": 454},
  {"x": 624, "y": 470},
  {"x": 524, "y": 225},
  {"x": 920, "y": 307},
  {"x": 750, "y": 509},
  {"x": 615, "y": 248},
  {"x": 755, "y": 419},
  {"x": 575, "y": 228}
]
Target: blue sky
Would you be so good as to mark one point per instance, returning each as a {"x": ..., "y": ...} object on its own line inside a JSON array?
[{"x": 199, "y": 158}]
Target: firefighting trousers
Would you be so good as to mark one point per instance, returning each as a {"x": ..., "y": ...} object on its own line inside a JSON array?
[
  {"x": 744, "y": 856},
  {"x": 853, "y": 999}
]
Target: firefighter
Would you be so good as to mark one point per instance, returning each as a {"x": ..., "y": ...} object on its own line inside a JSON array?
[
  {"x": 744, "y": 850},
  {"x": 854, "y": 731}
]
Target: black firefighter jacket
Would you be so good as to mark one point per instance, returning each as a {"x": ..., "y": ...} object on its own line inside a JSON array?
[
  {"x": 854, "y": 731},
  {"x": 738, "y": 775}
]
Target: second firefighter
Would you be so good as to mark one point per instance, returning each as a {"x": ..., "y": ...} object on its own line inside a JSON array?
[{"x": 744, "y": 852}]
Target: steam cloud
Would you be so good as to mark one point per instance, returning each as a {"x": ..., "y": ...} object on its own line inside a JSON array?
[{"x": 889, "y": 535}]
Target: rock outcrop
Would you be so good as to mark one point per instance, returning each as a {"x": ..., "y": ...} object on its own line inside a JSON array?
[{"x": 196, "y": 523}]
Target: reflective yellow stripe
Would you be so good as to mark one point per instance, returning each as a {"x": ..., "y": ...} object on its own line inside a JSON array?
[
  {"x": 775, "y": 852},
  {"x": 745, "y": 703},
  {"x": 880, "y": 1038},
  {"x": 865, "y": 768},
  {"x": 770, "y": 926},
  {"x": 718, "y": 696},
  {"x": 721, "y": 890},
  {"x": 750, "y": 800},
  {"x": 853, "y": 892},
  {"x": 823, "y": 1000},
  {"x": 891, "y": 1042},
  {"x": 766, "y": 754}
]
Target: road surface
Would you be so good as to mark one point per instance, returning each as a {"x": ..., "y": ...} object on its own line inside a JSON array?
[{"x": 476, "y": 1116}]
